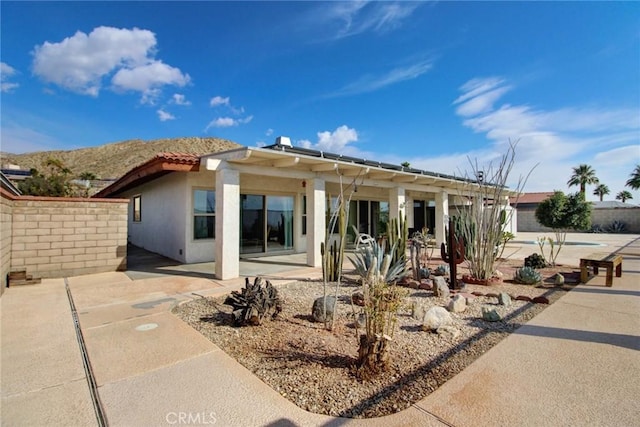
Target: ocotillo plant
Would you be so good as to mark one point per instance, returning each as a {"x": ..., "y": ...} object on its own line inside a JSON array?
[
  {"x": 398, "y": 236},
  {"x": 455, "y": 256}
]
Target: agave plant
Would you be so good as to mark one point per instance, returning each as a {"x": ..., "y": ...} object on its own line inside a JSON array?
[{"x": 527, "y": 275}]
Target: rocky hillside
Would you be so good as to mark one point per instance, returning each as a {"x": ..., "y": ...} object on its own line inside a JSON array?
[{"x": 113, "y": 160}]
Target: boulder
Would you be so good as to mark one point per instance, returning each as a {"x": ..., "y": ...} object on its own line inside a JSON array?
[
  {"x": 436, "y": 317},
  {"x": 357, "y": 298},
  {"x": 504, "y": 299},
  {"x": 440, "y": 287},
  {"x": 317, "y": 311},
  {"x": 418, "y": 310},
  {"x": 458, "y": 304},
  {"x": 490, "y": 314},
  {"x": 448, "y": 330}
]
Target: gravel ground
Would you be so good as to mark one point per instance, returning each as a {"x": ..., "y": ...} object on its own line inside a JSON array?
[{"x": 313, "y": 367}]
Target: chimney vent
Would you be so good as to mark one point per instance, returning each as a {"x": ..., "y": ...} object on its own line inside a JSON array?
[{"x": 284, "y": 140}]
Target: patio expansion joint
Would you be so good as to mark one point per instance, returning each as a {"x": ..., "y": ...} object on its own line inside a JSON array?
[
  {"x": 128, "y": 319},
  {"x": 604, "y": 310},
  {"x": 424, "y": 411}
]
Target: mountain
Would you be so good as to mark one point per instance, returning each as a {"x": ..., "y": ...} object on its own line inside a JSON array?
[{"x": 115, "y": 159}]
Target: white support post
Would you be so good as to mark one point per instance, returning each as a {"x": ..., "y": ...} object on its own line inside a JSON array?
[
  {"x": 397, "y": 203},
  {"x": 316, "y": 227},
  {"x": 442, "y": 216},
  {"x": 227, "y": 244}
]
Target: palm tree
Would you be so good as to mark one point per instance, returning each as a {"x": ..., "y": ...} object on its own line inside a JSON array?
[
  {"x": 583, "y": 175},
  {"x": 601, "y": 191},
  {"x": 634, "y": 181},
  {"x": 623, "y": 196}
]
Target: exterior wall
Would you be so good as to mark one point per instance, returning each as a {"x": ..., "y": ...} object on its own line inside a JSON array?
[
  {"x": 603, "y": 217},
  {"x": 6, "y": 209},
  {"x": 629, "y": 216},
  {"x": 163, "y": 216},
  {"x": 57, "y": 237}
]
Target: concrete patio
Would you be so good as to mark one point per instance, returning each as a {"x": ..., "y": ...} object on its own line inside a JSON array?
[{"x": 574, "y": 364}]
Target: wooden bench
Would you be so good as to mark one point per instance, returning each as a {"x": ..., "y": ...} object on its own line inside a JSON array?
[{"x": 604, "y": 260}]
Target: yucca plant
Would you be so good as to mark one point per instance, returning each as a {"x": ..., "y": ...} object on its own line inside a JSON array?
[{"x": 382, "y": 299}]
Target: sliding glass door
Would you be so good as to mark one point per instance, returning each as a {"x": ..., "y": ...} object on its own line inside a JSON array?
[{"x": 266, "y": 224}]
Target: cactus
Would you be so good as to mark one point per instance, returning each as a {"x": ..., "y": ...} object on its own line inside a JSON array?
[
  {"x": 455, "y": 255},
  {"x": 535, "y": 261},
  {"x": 398, "y": 236},
  {"x": 527, "y": 275},
  {"x": 332, "y": 263}
]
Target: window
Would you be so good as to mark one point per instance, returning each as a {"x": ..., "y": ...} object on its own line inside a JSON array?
[
  {"x": 204, "y": 214},
  {"x": 304, "y": 215},
  {"x": 137, "y": 208}
]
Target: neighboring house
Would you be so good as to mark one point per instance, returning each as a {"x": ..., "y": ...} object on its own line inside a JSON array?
[
  {"x": 603, "y": 214},
  {"x": 271, "y": 200}
]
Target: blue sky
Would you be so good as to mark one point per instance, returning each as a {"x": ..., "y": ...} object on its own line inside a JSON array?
[{"x": 430, "y": 83}]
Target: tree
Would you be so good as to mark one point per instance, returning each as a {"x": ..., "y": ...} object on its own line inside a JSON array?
[
  {"x": 405, "y": 164},
  {"x": 583, "y": 175},
  {"x": 634, "y": 181},
  {"x": 601, "y": 191},
  {"x": 623, "y": 196},
  {"x": 55, "y": 183},
  {"x": 563, "y": 213}
]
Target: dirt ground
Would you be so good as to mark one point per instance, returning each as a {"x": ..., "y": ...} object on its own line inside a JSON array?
[{"x": 313, "y": 367}]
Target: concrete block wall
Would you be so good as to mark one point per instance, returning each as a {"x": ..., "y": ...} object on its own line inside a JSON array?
[
  {"x": 603, "y": 217},
  {"x": 58, "y": 237},
  {"x": 6, "y": 209}
]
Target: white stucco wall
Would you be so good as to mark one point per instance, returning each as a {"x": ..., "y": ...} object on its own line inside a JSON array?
[{"x": 163, "y": 212}]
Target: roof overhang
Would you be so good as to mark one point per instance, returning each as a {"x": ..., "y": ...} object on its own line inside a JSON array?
[{"x": 158, "y": 166}]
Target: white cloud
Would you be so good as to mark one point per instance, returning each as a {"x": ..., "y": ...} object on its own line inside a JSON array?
[
  {"x": 225, "y": 122},
  {"x": 269, "y": 132},
  {"x": 370, "y": 83},
  {"x": 148, "y": 78},
  {"x": 81, "y": 62},
  {"x": 164, "y": 116},
  {"x": 180, "y": 99},
  {"x": 554, "y": 140},
  {"x": 7, "y": 71},
  {"x": 346, "y": 19},
  {"x": 334, "y": 142},
  {"x": 218, "y": 100}
]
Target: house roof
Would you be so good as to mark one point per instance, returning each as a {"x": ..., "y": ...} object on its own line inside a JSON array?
[
  {"x": 161, "y": 164},
  {"x": 293, "y": 162},
  {"x": 531, "y": 197}
]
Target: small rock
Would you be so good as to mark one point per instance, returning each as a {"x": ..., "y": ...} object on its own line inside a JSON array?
[
  {"x": 504, "y": 299},
  {"x": 523, "y": 298},
  {"x": 358, "y": 298},
  {"x": 418, "y": 310},
  {"x": 317, "y": 311},
  {"x": 469, "y": 297},
  {"x": 436, "y": 317},
  {"x": 490, "y": 315},
  {"x": 540, "y": 300},
  {"x": 458, "y": 304},
  {"x": 426, "y": 284},
  {"x": 440, "y": 287},
  {"x": 491, "y": 295},
  {"x": 559, "y": 279},
  {"x": 477, "y": 293},
  {"x": 498, "y": 274},
  {"x": 361, "y": 319},
  {"x": 448, "y": 330}
]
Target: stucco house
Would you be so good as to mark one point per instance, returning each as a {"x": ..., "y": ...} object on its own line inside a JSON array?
[{"x": 272, "y": 200}]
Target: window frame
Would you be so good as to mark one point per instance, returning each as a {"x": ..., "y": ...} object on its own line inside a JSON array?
[
  {"x": 137, "y": 210},
  {"x": 195, "y": 214}
]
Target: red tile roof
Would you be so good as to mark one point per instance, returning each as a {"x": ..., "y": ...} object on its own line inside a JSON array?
[
  {"x": 532, "y": 197},
  {"x": 161, "y": 164}
]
